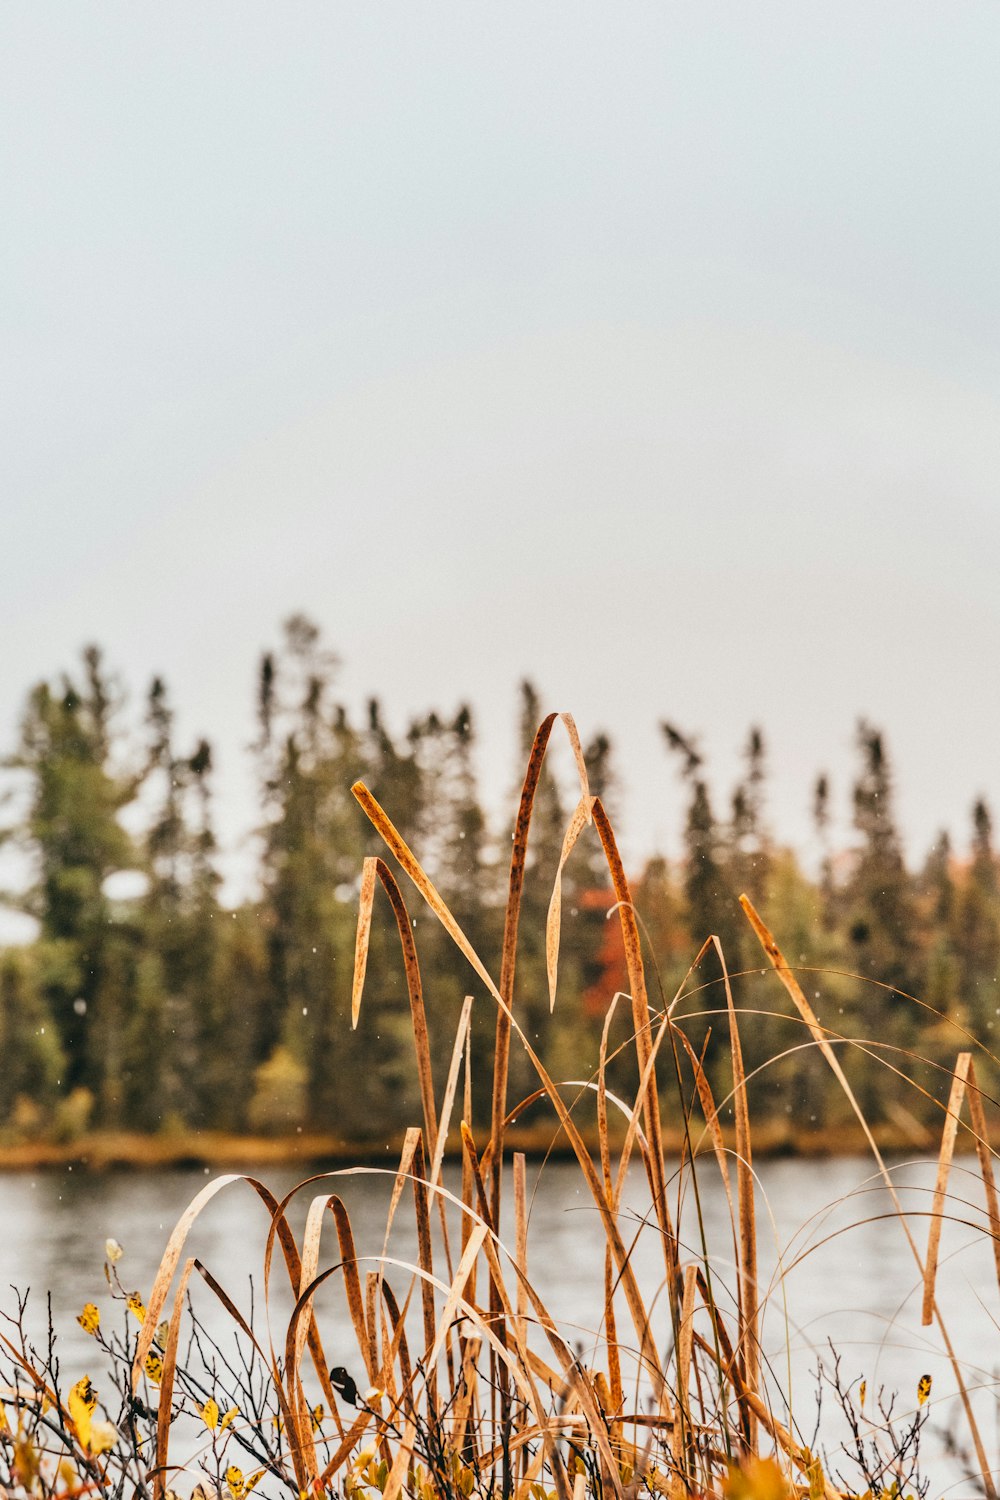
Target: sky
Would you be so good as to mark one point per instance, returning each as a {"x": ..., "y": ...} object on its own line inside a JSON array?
[{"x": 650, "y": 352}]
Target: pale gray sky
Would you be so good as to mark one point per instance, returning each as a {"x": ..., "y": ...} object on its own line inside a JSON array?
[{"x": 652, "y": 351}]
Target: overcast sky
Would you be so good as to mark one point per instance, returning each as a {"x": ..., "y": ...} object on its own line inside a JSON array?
[{"x": 651, "y": 351}]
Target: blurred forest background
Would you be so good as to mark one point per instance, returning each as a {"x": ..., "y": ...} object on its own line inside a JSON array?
[{"x": 144, "y": 1003}]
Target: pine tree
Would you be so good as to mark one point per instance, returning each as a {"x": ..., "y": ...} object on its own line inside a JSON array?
[
  {"x": 977, "y": 927},
  {"x": 881, "y": 914},
  {"x": 751, "y": 852},
  {"x": 34, "y": 1062},
  {"x": 710, "y": 900},
  {"x": 76, "y": 841}
]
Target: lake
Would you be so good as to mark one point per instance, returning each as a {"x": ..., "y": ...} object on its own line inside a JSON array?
[{"x": 850, "y": 1277}]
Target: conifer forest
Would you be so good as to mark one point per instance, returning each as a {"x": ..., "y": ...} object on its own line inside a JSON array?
[{"x": 167, "y": 1011}]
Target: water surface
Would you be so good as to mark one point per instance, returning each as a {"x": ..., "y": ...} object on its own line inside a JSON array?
[{"x": 849, "y": 1275}]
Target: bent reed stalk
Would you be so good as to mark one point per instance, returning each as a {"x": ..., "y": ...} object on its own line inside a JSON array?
[{"x": 463, "y": 1384}]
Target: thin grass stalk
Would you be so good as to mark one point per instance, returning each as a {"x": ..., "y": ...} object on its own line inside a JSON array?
[
  {"x": 512, "y": 917},
  {"x": 163, "y": 1417},
  {"x": 641, "y": 1026},
  {"x": 682, "y": 1446},
  {"x": 947, "y": 1151},
  {"x": 352, "y": 1285},
  {"x": 749, "y": 1333},
  {"x": 521, "y": 1240},
  {"x": 725, "y": 1370},
  {"x": 794, "y": 989},
  {"x": 985, "y": 1153},
  {"x": 508, "y": 961},
  {"x": 553, "y": 922},
  {"x": 425, "y": 1255},
  {"x": 373, "y": 866}
]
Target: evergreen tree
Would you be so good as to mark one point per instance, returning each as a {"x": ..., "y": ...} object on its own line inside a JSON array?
[
  {"x": 881, "y": 914},
  {"x": 34, "y": 1061},
  {"x": 710, "y": 901},
  {"x": 937, "y": 898},
  {"x": 977, "y": 927},
  {"x": 751, "y": 852},
  {"x": 76, "y": 841},
  {"x": 821, "y": 823}
]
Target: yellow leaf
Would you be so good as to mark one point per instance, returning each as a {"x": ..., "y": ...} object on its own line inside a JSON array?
[
  {"x": 756, "y": 1479},
  {"x": 113, "y": 1251},
  {"x": 923, "y": 1389},
  {"x": 210, "y": 1414},
  {"x": 230, "y": 1416},
  {"x": 137, "y": 1306},
  {"x": 862, "y": 1392},
  {"x": 90, "y": 1319},
  {"x": 154, "y": 1366},
  {"x": 235, "y": 1482},
  {"x": 25, "y": 1465},
  {"x": 318, "y": 1413},
  {"x": 160, "y": 1337},
  {"x": 82, "y": 1402}
]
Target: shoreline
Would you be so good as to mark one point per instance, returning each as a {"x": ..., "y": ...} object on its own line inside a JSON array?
[{"x": 101, "y": 1151}]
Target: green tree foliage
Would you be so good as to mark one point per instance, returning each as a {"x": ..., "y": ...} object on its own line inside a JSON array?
[
  {"x": 73, "y": 834},
  {"x": 145, "y": 1003},
  {"x": 977, "y": 927}
]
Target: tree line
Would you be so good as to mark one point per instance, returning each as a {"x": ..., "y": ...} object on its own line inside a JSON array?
[{"x": 165, "y": 1010}]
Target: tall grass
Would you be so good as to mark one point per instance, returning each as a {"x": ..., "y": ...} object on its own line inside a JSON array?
[{"x": 461, "y": 1382}]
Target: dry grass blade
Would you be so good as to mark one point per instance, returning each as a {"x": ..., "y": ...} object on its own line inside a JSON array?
[
  {"x": 456, "y": 1292},
  {"x": 685, "y": 1345},
  {"x": 963, "y": 1083},
  {"x": 643, "y": 1041},
  {"x": 985, "y": 1154},
  {"x": 512, "y": 917},
  {"x": 749, "y": 1335},
  {"x": 508, "y": 954},
  {"x": 163, "y": 1417},
  {"x": 425, "y": 1254},
  {"x": 794, "y": 989},
  {"x": 553, "y": 925},
  {"x": 175, "y": 1246},
  {"x": 411, "y": 967},
  {"x": 426, "y": 887},
  {"x": 710, "y": 1110},
  {"x": 521, "y": 1239},
  {"x": 947, "y": 1151},
  {"x": 461, "y": 1042},
  {"x": 352, "y": 1283},
  {"x": 363, "y": 938}
]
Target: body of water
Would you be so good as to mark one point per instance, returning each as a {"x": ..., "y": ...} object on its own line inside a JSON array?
[{"x": 835, "y": 1268}]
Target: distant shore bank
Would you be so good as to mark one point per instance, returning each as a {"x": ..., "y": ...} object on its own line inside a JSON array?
[{"x": 101, "y": 1151}]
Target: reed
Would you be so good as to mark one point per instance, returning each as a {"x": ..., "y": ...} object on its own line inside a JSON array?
[{"x": 461, "y": 1383}]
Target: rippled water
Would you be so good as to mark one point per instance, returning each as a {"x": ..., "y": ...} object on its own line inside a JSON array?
[{"x": 849, "y": 1274}]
